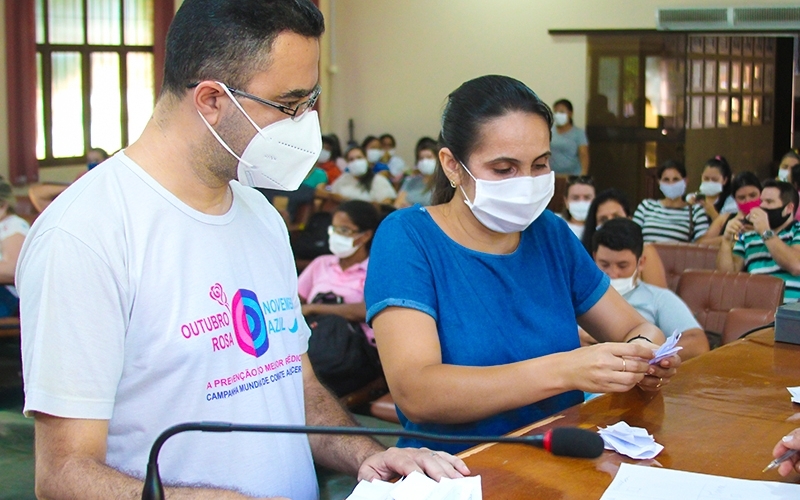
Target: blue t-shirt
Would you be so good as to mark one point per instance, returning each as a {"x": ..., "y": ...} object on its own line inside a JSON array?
[{"x": 489, "y": 309}]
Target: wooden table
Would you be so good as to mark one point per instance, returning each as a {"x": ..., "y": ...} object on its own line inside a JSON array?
[{"x": 722, "y": 414}]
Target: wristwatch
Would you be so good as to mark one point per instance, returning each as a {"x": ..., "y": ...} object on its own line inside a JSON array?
[{"x": 769, "y": 233}]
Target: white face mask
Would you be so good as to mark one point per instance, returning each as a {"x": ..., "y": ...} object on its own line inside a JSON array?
[
  {"x": 625, "y": 285},
  {"x": 324, "y": 156},
  {"x": 341, "y": 246},
  {"x": 560, "y": 119},
  {"x": 783, "y": 174},
  {"x": 709, "y": 188},
  {"x": 426, "y": 166},
  {"x": 392, "y": 152},
  {"x": 579, "y": 210},
  {"x": 673, "y": 191},
  {"x": 281, "y": 154},
  {"x": 374, "y": 155},
  {"x": 510, "y": 205},
  {"x": 358, "y": 167}
]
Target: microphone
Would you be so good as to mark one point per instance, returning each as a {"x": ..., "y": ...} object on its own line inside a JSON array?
[{"x": 562, "y": 441}]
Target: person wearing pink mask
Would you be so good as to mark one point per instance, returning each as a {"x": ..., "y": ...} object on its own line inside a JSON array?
[{"x": 746, "y": 192}]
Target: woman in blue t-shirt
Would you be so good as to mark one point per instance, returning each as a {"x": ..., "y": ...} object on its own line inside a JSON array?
[{"x": 474, "y": 299}]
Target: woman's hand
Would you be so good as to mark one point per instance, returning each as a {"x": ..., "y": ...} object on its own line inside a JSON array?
[
  {"x": 660, "y": 374},
  {"x": 609, "y": 367}
]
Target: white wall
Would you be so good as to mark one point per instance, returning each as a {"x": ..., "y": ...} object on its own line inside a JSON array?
[{"x": 398, "y": 59}]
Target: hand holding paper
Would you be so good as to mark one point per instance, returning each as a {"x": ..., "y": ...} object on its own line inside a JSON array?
[
  {"x": 667, "y": 349},
  {"x": 417, "y": 486}
]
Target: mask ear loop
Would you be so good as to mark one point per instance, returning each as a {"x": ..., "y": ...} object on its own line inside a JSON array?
[
  {"x": 216, "y": 135},
  {"x": 461, "y": 187}
]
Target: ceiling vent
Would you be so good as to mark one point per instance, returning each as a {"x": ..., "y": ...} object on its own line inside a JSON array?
[{"x": 731, "y": 18}]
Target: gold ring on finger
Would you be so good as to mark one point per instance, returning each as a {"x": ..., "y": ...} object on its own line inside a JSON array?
[
  {"x": 660, "y": 382},
  {"x": 624, "y": 367}
]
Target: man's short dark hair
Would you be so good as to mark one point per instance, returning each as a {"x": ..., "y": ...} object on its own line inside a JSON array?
[
  {"x": 788, "y": 192},
  {"x": 619, "y": 234},
  {"x": 229, "y": 40}
]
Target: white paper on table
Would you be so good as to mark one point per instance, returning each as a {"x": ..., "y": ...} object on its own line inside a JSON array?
[
  {"x": 667, "y": 349},
  {"x": 634, "y": 482},
  {"x": 634, "y": 442},
  {"x": 417, "y": 486},
  {"x": 795, "y": 392}
]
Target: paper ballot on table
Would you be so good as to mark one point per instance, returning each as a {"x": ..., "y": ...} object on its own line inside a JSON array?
[
  {"x": 634, "y": 482},
  {"x": 417, "y": 486},
  {"x": 795, "y": 392},
  {"x": 634, "y": 442},
  {"x": 667, "y": 349}
]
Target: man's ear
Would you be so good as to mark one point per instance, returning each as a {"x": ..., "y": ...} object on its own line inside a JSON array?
[
  {"x": 208, "y": 98},
  {"x": 642, "y": 262}
]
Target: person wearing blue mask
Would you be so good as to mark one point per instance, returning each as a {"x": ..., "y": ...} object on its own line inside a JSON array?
[
  {"x": 671, "y": 218},
  {"x": 161, "y": 289},
  {"x": 475, "y": 301}
]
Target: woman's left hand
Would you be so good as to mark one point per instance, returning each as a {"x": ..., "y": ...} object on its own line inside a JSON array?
[{"x": 660, "y": 374}]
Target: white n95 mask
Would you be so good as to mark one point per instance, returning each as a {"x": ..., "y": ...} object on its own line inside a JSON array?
[
  {"x": 709, "y": 188},
  {"x": 374, "y": 155},
  {"x": 358, "y": 167},
  {"x": 625, "y": 285},
  {"x": 341, "y": 246},
  {"x": 281, "y": 154},
  {"x": 510, "y": 205},
  {"x": 673, "y": 191},
  {"x": 426, "y": 166}
]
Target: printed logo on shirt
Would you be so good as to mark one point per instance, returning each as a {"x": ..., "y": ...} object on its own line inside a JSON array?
[{"x": 246, "y": 321}]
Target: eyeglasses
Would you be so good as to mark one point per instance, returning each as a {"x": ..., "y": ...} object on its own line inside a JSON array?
[
  {"x": 296, "y": 112},
  {"x": 344, "y": 231}
]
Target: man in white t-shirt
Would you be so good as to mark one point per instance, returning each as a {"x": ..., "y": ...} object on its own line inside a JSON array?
[{"x": 157, "y": 290}]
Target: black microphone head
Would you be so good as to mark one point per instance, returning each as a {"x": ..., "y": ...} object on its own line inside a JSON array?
[{"x": 574, "y": 442}]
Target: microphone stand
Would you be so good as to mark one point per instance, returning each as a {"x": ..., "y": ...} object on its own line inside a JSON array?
[{"x": 154, "y": 489}]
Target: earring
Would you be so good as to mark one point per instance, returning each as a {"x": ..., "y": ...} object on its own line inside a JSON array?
[{"x": 452, "y": 184}]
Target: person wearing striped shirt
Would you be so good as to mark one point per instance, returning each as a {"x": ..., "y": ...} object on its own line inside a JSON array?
[
  {"x": 671, "y": 218},
  {"x": 767, "y": 241}
]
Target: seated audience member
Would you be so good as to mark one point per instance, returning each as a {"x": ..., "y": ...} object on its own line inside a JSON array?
[
  {"x": 613, "y": 204},
  {"x": 580, "y": 193},
  {"x": 159, "y": 290},
  {"x": 617, "y": 250},
  {"x": 334, "y": 285},
  {"x": 292, "y": 200},
  {"x": 360, "y": 182},
  {"x": 13, "y": 230},
  {"x": 397, "y": 166},
  {"x": 453, "y": 347},
  {"x": 714, "y": 193},
  {"x": 416, "y": 187},
  {"x": 746, "y": 192},
  {"x": 373, "y": 152},
  {"x": 42, "y": 195},
  {"x": 671, "y": 218},
  {"x": 789, "y": 160},
  {"x": 329, "y": 157},
  {"x": 767, "y": 241},
  {"x": 789, "y": 442}
]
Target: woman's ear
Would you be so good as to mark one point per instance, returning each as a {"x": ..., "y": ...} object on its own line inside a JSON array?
[
  {"x": 451, "y": 166},
  {"x": 365, "y": 237}
]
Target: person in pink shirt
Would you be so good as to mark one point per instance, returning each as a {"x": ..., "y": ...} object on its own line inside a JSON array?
[{"x": 344, "y": 272}]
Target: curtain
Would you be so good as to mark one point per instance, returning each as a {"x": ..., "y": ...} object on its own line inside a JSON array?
[{"x": 21, "y": 87}]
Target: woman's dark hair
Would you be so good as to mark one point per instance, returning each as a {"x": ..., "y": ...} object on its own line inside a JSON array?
[
  {"x": 366, "y": 141},
  {"x": 721, "y": 164},
  {"x": 332, "y": 141},
  {"x": 425, "y": 143},
  {"x": 364, "y": 216},
  {"x": 566, "y": 104},
  {"x": 572, "y": 180},
  {"x": 388, "y": 136},
  {"x": 590, "y": 226},
  {"x": 220, "y": 39},
  {"x": 468, "y": 108},
  {"x": 366, "y": 179},
  {"x": 744, "y": 179},
  {"x": 618, "y": 235},
  {"x": 674, "y": 164}
]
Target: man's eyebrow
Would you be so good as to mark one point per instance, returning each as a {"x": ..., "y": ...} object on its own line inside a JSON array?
[{"x": 296, "y": 94}]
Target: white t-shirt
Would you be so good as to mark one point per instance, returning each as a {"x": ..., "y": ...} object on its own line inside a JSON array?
[
  {"x": 139, "y": 310},
  {"x": 347, "y": 185},
  {"x": 11, "y": 225}
]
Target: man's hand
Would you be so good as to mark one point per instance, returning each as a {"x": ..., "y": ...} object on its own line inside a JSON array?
[
  {"x": 403, "y": 461},
  {"x": 733, "y": 229},
  {"x": 789, "y": 442},
  {"x": 759, "y": 219}
]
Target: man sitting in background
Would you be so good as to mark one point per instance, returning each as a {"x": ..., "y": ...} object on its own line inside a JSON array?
[
  {"x": 617, "y": 250},
  {"x": 766, "y": 241}
]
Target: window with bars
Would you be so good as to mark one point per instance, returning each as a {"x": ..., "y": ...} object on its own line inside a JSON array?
[{"x": 95, "y": 75}]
